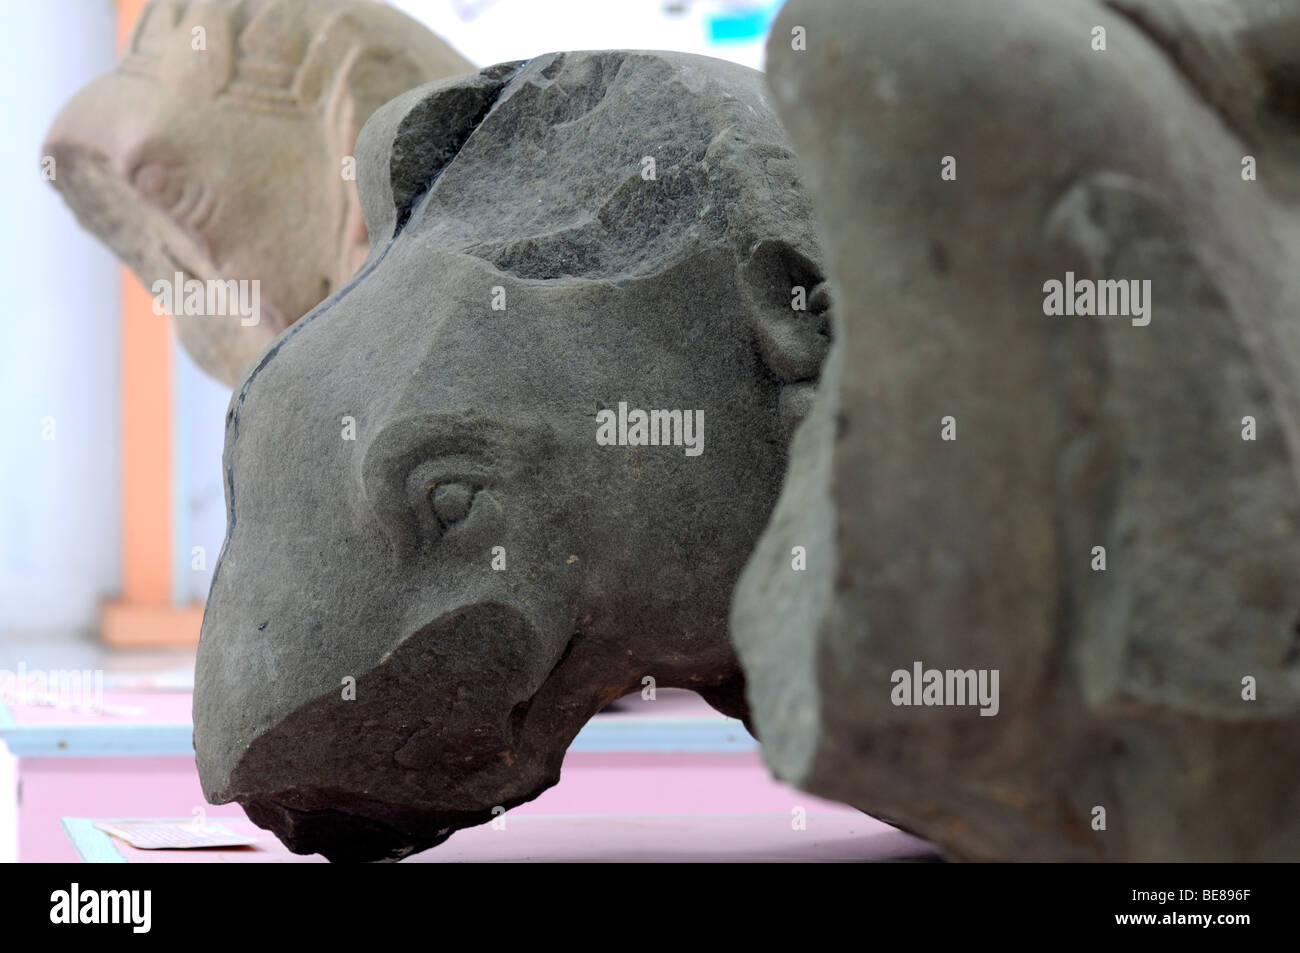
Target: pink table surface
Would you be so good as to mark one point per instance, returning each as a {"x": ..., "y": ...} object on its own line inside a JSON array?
[
  {"x": 615, "y": 807},
  {"x": 155, "y": 708},
  {"x": 618, "y": 839},
  {"x": 608, "y": 804}
]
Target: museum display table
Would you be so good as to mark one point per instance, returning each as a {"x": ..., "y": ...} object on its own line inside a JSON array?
[
  {"x": 607, "y": 807},
  {"x": 663, "y": 779},
  {"x": 70, "y": 761}
]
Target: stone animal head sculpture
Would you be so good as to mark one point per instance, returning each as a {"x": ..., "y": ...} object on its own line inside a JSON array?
[
  {"x": 1101, "y": 503},
  {"x": 220, "y": 149},
  {"x": 515, "y": 465}
]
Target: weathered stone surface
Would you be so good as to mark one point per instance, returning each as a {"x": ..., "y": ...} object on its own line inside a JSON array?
[
  {"x": 220, "y": 154},
  {"x": 1119, "y": 689},
  {"x": 525, "y": 186}
]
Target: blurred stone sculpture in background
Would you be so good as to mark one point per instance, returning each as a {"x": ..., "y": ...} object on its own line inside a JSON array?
[
  {"x": 1092, "y": 494},
  {"x": 221, "y": 149}
]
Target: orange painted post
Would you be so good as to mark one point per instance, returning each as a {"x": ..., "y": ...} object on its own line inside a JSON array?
[
  {"x": 127, "y": 13},
  {"x": 144, "y": 615},
  {"x": 146, "y": 447}
]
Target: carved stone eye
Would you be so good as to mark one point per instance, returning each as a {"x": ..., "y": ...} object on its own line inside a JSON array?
[
  {"x": 158, "y": 184},
  {"x": 451, "y": 502}
]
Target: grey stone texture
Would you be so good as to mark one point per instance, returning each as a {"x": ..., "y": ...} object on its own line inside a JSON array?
[
  {"x": 1120, "y": 689},
  {"x": 525, "y": 185}
]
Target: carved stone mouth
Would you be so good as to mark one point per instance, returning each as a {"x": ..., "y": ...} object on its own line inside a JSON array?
[
  {"x": 356, "y": 828},
  {"x": 453, "y": 756},
  {"x": 352, "y": 829}
]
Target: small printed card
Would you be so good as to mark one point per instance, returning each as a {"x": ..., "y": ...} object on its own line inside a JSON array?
[{"x": 173, "y": 835}]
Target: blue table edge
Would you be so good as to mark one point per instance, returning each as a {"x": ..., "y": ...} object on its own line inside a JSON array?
[{"x": 617, "y": 733}]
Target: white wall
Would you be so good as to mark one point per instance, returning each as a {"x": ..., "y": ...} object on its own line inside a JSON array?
[
  {"x": 60, "y": 530},
  {"x": 198, "y": 494},
  {"x": 497, "y": 31}
]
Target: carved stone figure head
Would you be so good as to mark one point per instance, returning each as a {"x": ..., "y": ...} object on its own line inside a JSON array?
[
  {"x": 514, "y": 466},
  {"x": 220, "y": 149}
]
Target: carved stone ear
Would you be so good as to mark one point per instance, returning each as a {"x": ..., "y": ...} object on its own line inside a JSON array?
[
  {"x": 367, "y": 81},
  {"x": 407, "y": 143},
  {"x": 790, "y": 304}
]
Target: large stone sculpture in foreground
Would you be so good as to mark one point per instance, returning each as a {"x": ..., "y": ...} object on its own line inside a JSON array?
[
  {"x": 434, "y": 572},
  {"x": 221, "y": 146},
  {"x": 1147, "y": 711}
]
